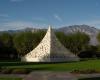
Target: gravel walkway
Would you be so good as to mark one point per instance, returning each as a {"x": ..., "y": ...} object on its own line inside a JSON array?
[
  {"x": 57, "y": 76},
  {"x": 50, "y": 75}
]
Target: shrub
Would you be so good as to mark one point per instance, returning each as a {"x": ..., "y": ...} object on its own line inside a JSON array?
[
  {"x": 87, "y": 54},
  {"x": 21, "y": 71},
  {"x": 5, "y": 70},
  {"x": 14, "y": 70},
  {"x": 87, "y": 71}
]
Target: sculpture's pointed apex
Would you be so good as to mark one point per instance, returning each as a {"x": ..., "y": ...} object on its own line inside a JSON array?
[
  {"x": 49, "y": 29},
  {"x": 50, "y": 26}
]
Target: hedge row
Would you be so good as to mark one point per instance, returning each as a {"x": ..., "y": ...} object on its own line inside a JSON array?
[{"x": 15, "y": 71}]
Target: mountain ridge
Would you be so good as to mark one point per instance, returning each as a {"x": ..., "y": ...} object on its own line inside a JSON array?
[{"x": 91, "y": 31}]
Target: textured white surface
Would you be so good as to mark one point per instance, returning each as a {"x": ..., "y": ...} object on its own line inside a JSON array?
[{"x": 49, "y": 50}]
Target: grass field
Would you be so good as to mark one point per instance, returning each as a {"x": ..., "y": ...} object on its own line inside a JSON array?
[{"x": 68, "y": 66}]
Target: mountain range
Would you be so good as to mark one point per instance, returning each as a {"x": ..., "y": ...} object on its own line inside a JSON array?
[{"x": 91, "y": 31}]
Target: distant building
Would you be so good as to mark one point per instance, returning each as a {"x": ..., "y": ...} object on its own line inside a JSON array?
[{"x": 49, "y": 50}]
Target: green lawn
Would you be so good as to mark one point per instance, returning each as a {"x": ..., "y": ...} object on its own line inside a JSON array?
[{"x": 68, "y": 66}]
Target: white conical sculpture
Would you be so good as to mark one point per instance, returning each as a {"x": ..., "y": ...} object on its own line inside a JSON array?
[{"x": 49, "y": 50}]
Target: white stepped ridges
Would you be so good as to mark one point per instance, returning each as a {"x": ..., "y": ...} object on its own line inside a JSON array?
[{"x": 49, "y": 50}]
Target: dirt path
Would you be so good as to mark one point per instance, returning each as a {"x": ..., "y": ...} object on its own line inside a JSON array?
[
  {"x": 50, "y": 75},
  {"x": 57, "y": 76}
]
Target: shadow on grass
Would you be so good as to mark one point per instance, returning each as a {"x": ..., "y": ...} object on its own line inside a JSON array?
[
  {"x": 41, "y": 69},
  {"x": 29, "y": 63}
]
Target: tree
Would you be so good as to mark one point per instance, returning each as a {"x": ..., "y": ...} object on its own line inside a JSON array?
[
  {"x": 6, "y": 39},
  {"x": 75, "y": 42},
  {"x": 98, "y": 38},
  {"x": 6, "y": 46},
  {"x": 90, "y": 52},
  {"x": 24, "y": 42},
  {"x": 62, "y": 37}
]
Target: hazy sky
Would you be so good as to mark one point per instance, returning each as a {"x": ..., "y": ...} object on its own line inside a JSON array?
[{"x": 17, "y": 14}]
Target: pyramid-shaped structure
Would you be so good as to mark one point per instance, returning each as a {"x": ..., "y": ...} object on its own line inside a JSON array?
[{"x": 49, "y": 50}]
